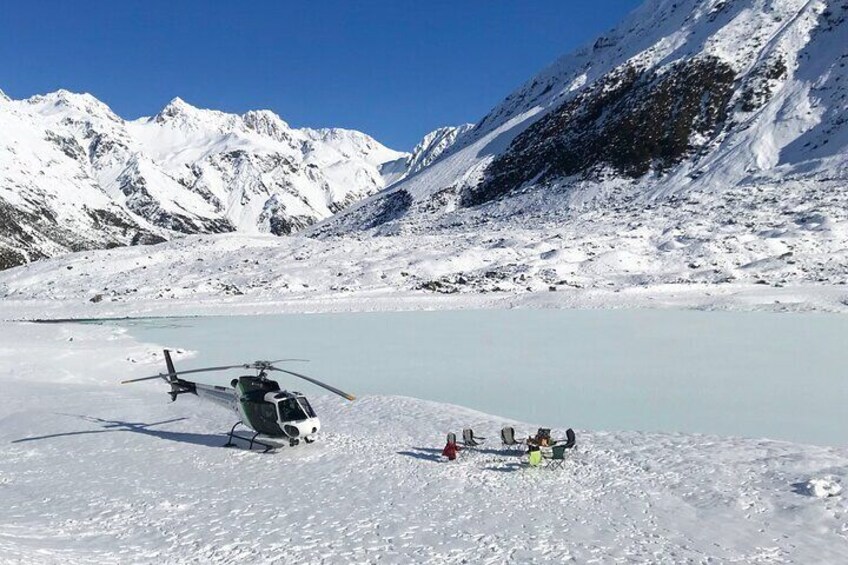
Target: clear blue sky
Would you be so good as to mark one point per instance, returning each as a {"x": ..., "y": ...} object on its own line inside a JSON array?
[{"x": 395, "y": 69}]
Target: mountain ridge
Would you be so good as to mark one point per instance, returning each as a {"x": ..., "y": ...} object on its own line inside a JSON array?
[{"x": 78, "y": 176}]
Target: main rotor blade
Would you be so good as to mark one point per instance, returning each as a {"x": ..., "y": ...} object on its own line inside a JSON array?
[
  {"x": 177, "y": 373},
  {"x": 162, "y": 376},
  {"x": 341, "y": 393},
  {"x": 227, "y": 368},
  {"x": 254, "y": 365}
]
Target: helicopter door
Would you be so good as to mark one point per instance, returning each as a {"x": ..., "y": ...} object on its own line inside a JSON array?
[{"x": 262, "y": 416}]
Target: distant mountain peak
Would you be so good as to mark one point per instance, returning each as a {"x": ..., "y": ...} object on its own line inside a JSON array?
[
  {"x": 175, "y": 108},
  {"x": 62, "y": 100},
  {"x": 65, "y": 96},
  {"x": 266, "y": 122}
]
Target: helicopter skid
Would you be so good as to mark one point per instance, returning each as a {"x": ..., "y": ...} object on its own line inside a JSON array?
[
  {"x": 269, "y": 443},
  {"x": 251, "y": 441}
]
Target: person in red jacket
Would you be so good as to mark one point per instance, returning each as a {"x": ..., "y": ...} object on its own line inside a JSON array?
[{"x": 451, "y": 448}]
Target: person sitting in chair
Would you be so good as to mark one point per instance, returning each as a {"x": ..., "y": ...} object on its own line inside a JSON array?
[{"x": 543, "y": 436}]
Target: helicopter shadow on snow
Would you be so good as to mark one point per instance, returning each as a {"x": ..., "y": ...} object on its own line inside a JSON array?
[{"x": 108, "y": 426}]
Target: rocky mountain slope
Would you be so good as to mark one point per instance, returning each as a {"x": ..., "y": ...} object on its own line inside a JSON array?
[
  {"x": 75, "y": 176},
  {"x": 698, "y": 150},
  {"x": 428, "y": 150},
  {"x": 683, "y": 97}
]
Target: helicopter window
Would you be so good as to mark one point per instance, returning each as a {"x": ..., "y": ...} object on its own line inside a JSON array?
[
  {"x": 306, "y": 407},
  {"x": 262, "y": 417},
  {"x": 290, "y": 410}
]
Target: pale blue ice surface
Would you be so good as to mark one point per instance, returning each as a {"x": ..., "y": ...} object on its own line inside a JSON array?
[{"x": 781, "y": 376}]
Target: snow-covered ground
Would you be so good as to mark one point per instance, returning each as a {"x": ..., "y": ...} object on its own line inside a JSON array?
[
  {"x": 95, "y": 472},
  {"x": 765, "y": 247}
]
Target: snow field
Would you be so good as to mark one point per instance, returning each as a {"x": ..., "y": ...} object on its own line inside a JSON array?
[
  {"x": 95, "y": 472},
  {"x": 782, "y": 253}
]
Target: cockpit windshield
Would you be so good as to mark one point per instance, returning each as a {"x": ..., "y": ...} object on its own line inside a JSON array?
[
  {"x": 306, "y": 406},
  {"x": 291, "y": 411}
]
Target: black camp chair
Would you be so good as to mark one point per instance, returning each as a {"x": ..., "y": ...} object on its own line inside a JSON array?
[
  {"x": 557, "y": 456},
  {"x": 508, "y": 439},
  {"x": 470, "y": 440},
  {"x": 451, "y": 437}
]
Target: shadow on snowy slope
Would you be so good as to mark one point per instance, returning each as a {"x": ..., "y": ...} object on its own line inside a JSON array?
[
  {"x": 136, "y": 427},
  {"x": 433, "y": 454},
  {"x": 424, "y": 454},
  {"x": 506, "y": 468}
]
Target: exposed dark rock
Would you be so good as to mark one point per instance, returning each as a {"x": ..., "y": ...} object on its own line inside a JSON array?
[
  {"x": 631, "y": 121},
  {"x": 140, "y": 201},
  {"x": 439, "y": 200},
  {"x": 108, "y": 218},
  {"x": 101, "y": 146},
  {"x": 22, "y": 231},
  {"x": 760, "y": 84},
  {"x": 68, "y": 145},
  {"x": 286, "y": 225},
  {"x": 278, "y": 219},
  {"x": 146, "y": 238},
  {"x": 10, "y": 258},
  {"x": 392, "y": 207}
]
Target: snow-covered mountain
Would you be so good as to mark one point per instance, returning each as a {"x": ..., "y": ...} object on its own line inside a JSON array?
[
  {"x": 684, "y": 97},
  {"x": 73, "y": 175},
  {"x": 430, "y": 148},
  {"x": 699, "y": 148}
]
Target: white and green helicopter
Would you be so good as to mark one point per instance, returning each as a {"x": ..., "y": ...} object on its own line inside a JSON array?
[{"x": 277, "y": 416}]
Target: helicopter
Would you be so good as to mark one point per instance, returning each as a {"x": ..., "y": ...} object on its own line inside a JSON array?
[{"x": 261, "y": 406}]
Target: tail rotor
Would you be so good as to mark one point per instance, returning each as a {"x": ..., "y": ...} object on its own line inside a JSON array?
[{"x": 172, "y": 376}]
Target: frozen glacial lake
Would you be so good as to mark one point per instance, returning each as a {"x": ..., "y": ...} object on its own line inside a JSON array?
[{"x": 781, "y": 376}]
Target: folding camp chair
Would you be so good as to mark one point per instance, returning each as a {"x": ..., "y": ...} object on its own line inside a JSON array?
[
  {"x": 570, "y": 438},
  {"x": 557, "y": 456},
  {"x": 508, "y": 439},
  {"x": 470, "y": 440}
]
